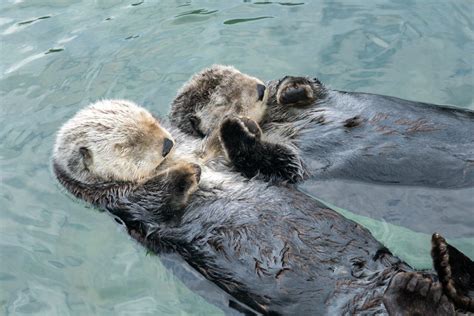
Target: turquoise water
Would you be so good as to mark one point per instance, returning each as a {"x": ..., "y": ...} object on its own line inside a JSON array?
[{"x": 59, "y": 257}]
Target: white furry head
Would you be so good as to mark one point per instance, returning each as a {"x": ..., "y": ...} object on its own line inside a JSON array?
[{"x": 111, "y": 140}]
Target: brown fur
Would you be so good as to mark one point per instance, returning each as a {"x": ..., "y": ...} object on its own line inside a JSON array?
[
  {"x": 212, "y": 94},
  {"x": 297, "y": 91},
  {"x": 224, "y": 107}
]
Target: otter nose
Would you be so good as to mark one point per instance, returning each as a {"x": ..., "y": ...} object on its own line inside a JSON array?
[
  {"x": 167, "y": 145},
  {"x": 261, "y": 91}
]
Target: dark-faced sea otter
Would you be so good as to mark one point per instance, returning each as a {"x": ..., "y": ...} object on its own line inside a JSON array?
[{"x": 410, "y": 163}]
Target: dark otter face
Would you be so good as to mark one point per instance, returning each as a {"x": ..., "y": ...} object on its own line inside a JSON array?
[{"x": 213, "y": 94}]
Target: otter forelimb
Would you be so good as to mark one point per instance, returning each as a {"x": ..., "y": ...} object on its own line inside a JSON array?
[{"x": 252, "y": 156}]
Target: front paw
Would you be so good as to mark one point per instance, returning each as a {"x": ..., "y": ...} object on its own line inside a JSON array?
[
  {"x": 185, "y": 179},
  {"x": 296, "y": 91},
  {"x": 235, "y": 130}
]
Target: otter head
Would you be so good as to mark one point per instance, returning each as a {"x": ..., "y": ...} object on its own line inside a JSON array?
[
  {"x": 111, "y": 140},
  {"x": 214, "y": 93}
]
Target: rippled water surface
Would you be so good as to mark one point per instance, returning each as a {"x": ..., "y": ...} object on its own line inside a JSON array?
[{"x": 59, "y": 257}]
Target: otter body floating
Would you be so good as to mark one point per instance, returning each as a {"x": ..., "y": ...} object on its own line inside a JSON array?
[{"x": 333, "y": 141}]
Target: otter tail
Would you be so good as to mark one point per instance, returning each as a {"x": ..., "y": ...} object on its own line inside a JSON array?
[{"x": 455, "y": 271}]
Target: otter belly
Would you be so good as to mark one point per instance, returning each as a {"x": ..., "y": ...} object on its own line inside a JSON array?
[
  {"x": 391, "y": 141},
  {"x": 287, "y": 254},
  {"x": 396, "y": 150}
]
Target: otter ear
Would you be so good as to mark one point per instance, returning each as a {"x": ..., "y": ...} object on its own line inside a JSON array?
[{"x": 86, "y": 157}]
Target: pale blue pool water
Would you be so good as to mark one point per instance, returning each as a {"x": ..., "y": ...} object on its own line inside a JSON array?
[{"x": 59, "y": 257}]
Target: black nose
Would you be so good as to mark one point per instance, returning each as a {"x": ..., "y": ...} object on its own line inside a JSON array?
[
  {"x": 167, "y": 145},
  {"x": 261, "y": 91}
]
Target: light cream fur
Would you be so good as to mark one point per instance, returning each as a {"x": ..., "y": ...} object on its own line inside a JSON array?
[
  {"x": 236, "y": 94},
  {"x": 124, "y": 140},
  {"x": 219, "y": 91}
]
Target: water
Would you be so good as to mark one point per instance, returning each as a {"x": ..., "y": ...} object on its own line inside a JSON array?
[{"x": 59, "y": 257}]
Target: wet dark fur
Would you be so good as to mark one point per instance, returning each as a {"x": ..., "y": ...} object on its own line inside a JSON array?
[
  {"x": 163, "y": 197},
  {"x": 252, "y": 156},
  {"x": 345, "y": 135},
  {"x": 273, "y": 248},
  {"x": 337, "y": 140},
  {"x": 358, "y": 136},
  {"x": 347, "y": 138}
]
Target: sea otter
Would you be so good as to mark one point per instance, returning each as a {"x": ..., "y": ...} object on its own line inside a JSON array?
[
  {"x": 271, "y": 247},
  {"x": 389, "y": 156}
]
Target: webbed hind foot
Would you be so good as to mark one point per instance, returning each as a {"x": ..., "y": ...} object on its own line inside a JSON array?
[{"x": 410, "y": 293}]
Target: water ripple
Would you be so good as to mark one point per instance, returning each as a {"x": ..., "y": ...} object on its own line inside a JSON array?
[
  {"x": 34, "y": 20},
  {"x": 197, "y": 12},
  {"x": 289, "y": 4},
  {"x": 236, "y": 21}
]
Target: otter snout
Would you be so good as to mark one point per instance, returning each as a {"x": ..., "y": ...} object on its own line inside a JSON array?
[
  {"x": 167, "y": 146},
  {"x": 261, "y": 91}
]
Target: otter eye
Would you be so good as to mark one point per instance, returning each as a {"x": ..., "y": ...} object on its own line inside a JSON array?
[{"x": 195, "y": 122}]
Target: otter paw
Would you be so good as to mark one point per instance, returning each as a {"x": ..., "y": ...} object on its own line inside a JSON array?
[
  {"x": 188, "y": 178},
  {"x": 239, "y": 130},
  {"x": 455, "y": 271},
  {"x": 410, "y": 293},
  {"x": 185, "y": 179},
  {"x": 296, "y": 91}
]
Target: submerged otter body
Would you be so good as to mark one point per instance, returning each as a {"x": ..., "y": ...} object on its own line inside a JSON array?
[
  {"x": 389, "y": 156},
  {"x": 381, "y": 139},
  {"x": 272, "y": 248}
]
